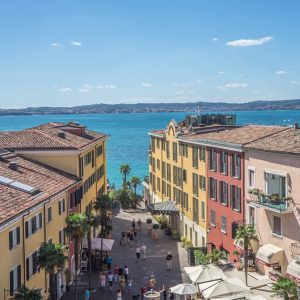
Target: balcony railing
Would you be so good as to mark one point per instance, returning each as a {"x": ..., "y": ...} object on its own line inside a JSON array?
[{"x": 272, "y": 202}]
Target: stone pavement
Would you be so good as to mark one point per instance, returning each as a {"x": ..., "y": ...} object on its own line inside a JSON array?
[{"x": 139, "y": 272}]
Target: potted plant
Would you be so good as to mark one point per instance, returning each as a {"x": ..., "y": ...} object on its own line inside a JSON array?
[
  {"x": 68, "y": 279},
  {"x": 255, "y": 191}
]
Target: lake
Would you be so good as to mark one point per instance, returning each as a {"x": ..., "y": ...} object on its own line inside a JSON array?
[{"x": 128, "y": 142}]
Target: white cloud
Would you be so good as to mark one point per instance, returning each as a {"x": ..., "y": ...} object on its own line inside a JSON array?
[
  {"x": 214, "y": 39},
  {"x": 232, "y": 85},
  {"x": 249, "y": 42},
  {"x": 84, "y": 90},
  {"x": 146, "y": 84},
  {"x": 181, "y": 84},
  {"x": 67, "y": 89},
  {"x": 221, "y": 73},
  {"x": 55, "y": 45},
  {"x": 199, "y": 81},
  {"x": 87, "y": 86},
  {"x": 106, "y": 86},
  {"x": 281, "y": 72},
  {"x": 75, "y": 43}
]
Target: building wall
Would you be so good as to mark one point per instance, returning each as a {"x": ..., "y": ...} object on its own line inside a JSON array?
[
  {"x": 216, "y": 236},
  {"x": 290, "y": 222}
]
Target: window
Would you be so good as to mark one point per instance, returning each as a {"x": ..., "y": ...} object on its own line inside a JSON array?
[
  {"x": 213, "y": 188},
  {"x": 158, "y": 184},
  {"x": 223, "y": 192},
  {"x": 163, "y": 170},
  {"x": 235, "y": 198},
  {"x": 174, "y": 151},
  {"x": 100, "y": 172},
  {"x": 202, "y": 153},
  {"x": 163, "y": 145},
  {"x": 89, "y": 158},
  {"x": 184, "y": 175},
  {"x": 99, "y": 150},
  {"x": 158, "y": 164},
  {"x": 251, "y": 177},
  {"x": 276, "y": 225},
  {"x": 153, "y": 144},
  {"x": 163, "y": 185},
  {"x": 202, "y": 181},
  {"x": 49, "y": 214},
  {"x": 275, "y": 184},
  {"x": 169, "y": 172},
  {"x": 195, "y": 184},
  {"x": 203, "y": 210},
  {"x": 213, "y": 218},
  {"x": 251, "y": 215},
  {"x": 183, "y": 150},
  {"x": 224, "y": 224},
  {"x": 61, "y": 206},
  {"x": 212, "y": 160},
  {"x": 195, "y": 157},
  {"x": 186, "y": 201},
  {"x": 158, "y": 143},
  {"x": 235, "y": 166},
  {"x": 174, "y": 175},
  {"x": 31, "y": 265},
  {"x": 14, "y": 238},
  {"x": 169, "y": 191},
  {"x": 62, "y": 236},
  {"x": 196, "y": 210},
  {"x": 223, "y": 162},
  {"x": 168, "y": 149},
  {"x": 81, "y": 167},
  {"x": 34, "y": 224},
  {"x": 15, "y": 279}
]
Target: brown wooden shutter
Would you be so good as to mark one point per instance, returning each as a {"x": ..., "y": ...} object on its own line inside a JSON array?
[{"x": 10, "y": 240}]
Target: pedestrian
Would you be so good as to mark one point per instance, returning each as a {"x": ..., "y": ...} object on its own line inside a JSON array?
[
  {"x": 128, "y": 236},
  {"x": 121, "y": 271},
  {"x": 129, "y": 284},
  {"x": 116, "y": 274},
  {"x": 109, "y": 262},
  {"x": 143, "y": 290},
  {"x": 102, "y": 281},
  {"x": 138, "y": 253},
  {"x": 122, "y": 282},
  {"x": 135, "y": 234},
  {"x": 164, "y": 292},
  {"x": 140, "y": 225},
  {"x": 110, "y": 280},
  {"x": 133, "y": 224},
  {"x": 131, "y": 238},
  {"x": 123, "y": 237},
  {"x": 169, "y": 258},
  {"x": 144, "y": 251},
  {"x": 119, "y": 295},
  {"x": 126, "y": 273},
  {"x": 86, "y": 294}
]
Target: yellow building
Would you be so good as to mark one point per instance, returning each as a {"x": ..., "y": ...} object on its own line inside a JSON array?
[
  {"x": 33, "y": 210},
  {"x": 67, "y": 150}
]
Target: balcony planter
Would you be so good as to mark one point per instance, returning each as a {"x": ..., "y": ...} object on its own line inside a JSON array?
[{"x": 255, "y": 191}]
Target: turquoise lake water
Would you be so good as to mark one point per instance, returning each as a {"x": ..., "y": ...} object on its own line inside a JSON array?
[{"x": 128, "y": 142}]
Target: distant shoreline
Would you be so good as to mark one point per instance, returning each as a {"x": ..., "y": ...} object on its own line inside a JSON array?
[{"x": 189, "y": 107}]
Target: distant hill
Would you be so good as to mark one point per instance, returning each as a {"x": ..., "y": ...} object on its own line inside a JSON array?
[{"x": 102, "y": 108}]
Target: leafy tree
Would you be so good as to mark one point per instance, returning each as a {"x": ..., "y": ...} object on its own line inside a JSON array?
[
  {"x": 285, "y": 288},
  {"x": 125, "y": 170},
  {"x": 50, "y": 257},
  {"x": 200, "y": 258},
  {"x": 247, "y": 234},
  {"x": 77, "y": 227},
  {"x": 125, "y": 198},
  {"x": 215, "y": 256},
  {"x": 24, "y": 293},
  {"x": 92, "y": 222},
  {"x": 135, "y": 181}
]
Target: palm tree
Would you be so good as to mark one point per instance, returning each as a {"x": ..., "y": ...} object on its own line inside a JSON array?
[
  {"x": 215, "y": 256},
  {"x": 247, "y": 234},
  {"x": 103, "y": 205},
  {"x": 125, "y": 170},
  {"x": 92, "y": 222},
  {"x": 135, "y": 181},
  {"x": 24, "y": 293},
  {"x": 50, "y": 257},
  {"x": 76, "y": 229},
  {"x": 285, "y": 288}
]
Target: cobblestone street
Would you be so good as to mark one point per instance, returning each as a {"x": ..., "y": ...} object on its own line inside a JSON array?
[{"x": 139, "y": 272}]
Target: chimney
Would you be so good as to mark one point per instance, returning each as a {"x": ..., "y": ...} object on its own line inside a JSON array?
[
  {"x": 13, "y": 165},
  {"x": 296, "y": 126},
  {"x": 61, "y": 135}
]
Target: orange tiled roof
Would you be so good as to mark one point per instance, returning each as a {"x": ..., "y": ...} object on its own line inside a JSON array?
[
  {"x": 46, "y": 179},
  {"x": 46, "y": 137},
  {"x": 241, "y": 136},
  {"x": 284, "y": 142}
]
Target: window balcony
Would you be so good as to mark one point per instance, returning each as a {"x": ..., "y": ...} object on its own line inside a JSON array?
[{"x": 272, "y": 202}]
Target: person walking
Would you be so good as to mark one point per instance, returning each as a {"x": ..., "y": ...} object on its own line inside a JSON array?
[
  {"x": 110, "y": 281},
  {"x": 116, "y": 274},
  {"x": 128, "y": 236},
  {"x": 169, "y": 259},
  {"x": 122, "y": 282},
  {"x": 131, "y": 239},
  {"x": 135, "y": 234},
  {"x": 87, "y": 294},
  {"x": 119, "y": 294},
  {"x": 138, "y": 253},
  {"x": 129, "y": 284},
  {"x": 133, "y": 224},
  {"x": 144, "y": 251},
  {"x": 109, "y": 262},
  {"x": 102, "y": 281},
  {"x": 126, "y": 273},
  {"x": 164, "y": 292},
  {"x": 139, "y": 225}
]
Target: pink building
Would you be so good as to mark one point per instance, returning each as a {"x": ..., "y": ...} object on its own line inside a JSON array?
[{"x": 272, "y": 192}]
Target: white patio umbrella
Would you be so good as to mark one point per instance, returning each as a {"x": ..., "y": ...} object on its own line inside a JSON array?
[
  {"x": 184, "y": 289},
  {"x": 205, "y": 273},
  {"x": 227, "y": 287}
]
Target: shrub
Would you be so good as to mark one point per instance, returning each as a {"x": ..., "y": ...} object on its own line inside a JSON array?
[
  {"x": 155, "y": 226},
  {"x": 188, "y": 244},
  {"x": 149, "y": 221},
  {"x": 200, "y": 258}
]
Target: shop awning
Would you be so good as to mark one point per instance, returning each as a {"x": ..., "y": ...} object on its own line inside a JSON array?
[
  {"x": 166, "y": 207},
  {"x": 269, "y": 255},
  {"x": 293, "y": 270},
  {"x": 98, "y": 243}
]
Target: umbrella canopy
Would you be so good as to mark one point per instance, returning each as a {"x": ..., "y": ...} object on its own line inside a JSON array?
[
  {"x": 184, "y": 289},
  {"x": 205, "y": 273},
  {"x": 96, "y": 244},
  {"x": 227, "y": 287}
]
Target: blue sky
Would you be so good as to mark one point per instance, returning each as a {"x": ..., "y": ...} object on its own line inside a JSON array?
[{"x": 65, "y": 53}]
